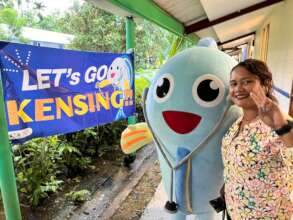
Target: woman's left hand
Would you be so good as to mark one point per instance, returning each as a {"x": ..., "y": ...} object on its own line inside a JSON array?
[{"x": 269, "y": 111}]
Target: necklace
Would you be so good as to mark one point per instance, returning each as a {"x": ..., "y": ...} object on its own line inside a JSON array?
[
  {"x": 244, "y": 122},
  {"x": 241, "y": 126},
  {"x": 248, "y": 121}
]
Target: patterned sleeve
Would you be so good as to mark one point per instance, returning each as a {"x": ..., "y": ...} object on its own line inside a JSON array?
[
  {"x": 287, "y": 152},
  {"x": 287, "y": 155}
]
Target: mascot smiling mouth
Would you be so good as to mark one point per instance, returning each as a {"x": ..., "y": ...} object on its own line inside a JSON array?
[{"x": 181, "y": 122}]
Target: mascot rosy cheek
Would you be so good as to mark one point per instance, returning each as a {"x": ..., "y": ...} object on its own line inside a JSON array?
[{"x": 187, "y": 114}]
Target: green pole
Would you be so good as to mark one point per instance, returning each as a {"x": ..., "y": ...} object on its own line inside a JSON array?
[
  {"x": 7, "y": 176},
  {"x": 130, "y": 36},
  {"x": 130, "y": 32}
]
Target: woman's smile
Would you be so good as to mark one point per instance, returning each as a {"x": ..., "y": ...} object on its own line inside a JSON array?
[{"x": 242, "y": 96}]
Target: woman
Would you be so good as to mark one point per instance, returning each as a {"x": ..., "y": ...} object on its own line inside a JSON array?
[{"x": 256, "y": 147}]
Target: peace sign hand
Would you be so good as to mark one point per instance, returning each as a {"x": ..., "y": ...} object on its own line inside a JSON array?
[{"x": 269, "y": 111}]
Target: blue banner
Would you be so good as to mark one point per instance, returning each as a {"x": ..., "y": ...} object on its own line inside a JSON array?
[{"x": 53, "y": 91}]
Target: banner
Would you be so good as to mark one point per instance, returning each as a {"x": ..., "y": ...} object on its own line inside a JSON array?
[{"x": 53, "y": 91}]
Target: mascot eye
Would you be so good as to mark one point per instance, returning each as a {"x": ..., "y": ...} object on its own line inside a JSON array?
[
  {"x": 163, "y": 88},
  {"x": 208, "y": 90}
]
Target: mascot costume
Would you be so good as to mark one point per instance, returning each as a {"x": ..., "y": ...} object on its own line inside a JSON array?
[{"x": 187, "y": 113}]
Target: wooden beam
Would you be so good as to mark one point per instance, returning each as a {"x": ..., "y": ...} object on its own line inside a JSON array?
[
  {"x": 236, "y": 52},
  {"x": 233, "y": 48},
  {"x": 229, "y": 48},
  {"x": 236, "y": 38},
  {"x": 205, "y": 23}
]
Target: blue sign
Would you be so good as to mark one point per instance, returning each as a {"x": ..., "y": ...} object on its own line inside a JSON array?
[{"x": 53, "y": 91}]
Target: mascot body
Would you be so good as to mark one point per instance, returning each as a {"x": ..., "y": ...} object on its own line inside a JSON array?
[{"x": 188, "y": 114}]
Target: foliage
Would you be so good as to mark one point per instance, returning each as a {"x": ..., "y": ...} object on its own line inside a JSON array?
[
  {"x": 40, "y": 163},
  {"x": 97, "y": 30},
  {"x": 6, "y": 4},
  {"x": 178, "y": 44},
  {"x": 150, "y": 43},
  {"x": 12, "y": 24},
  {"x": 37, "y": 168},
  {"x": 97, "y": 141},
  {"x": 71, "y": 158},
  {"x": 16, "y": 4},
  {"x": 94, "y": 29},
  {"x": 78, "y": 196},
  {"x": 38, "y": 8},
  {"x": 142, "y": 80},
  {"x": 50, "y": 22},
  {"x": 175, "y": 46}
]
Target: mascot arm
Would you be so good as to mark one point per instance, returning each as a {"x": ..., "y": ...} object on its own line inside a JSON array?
[{"x": 134, "y": 137}]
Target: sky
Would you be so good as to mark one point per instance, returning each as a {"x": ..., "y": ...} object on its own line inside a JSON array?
[
  {"x": 61, "y": 5},
  {"x": 52, "y": 5}
]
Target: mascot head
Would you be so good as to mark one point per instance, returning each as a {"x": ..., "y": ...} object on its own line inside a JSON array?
[{"x": 188, "y": 95}]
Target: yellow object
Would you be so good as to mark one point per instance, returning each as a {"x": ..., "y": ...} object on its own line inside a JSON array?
[
  {"x": 103, "y": 83},
  {"x": 126, "y": 85},
  {"x": 134, "y": 137}
]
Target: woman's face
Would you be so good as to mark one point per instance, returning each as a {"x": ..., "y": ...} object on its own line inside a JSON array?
[{"x": 242, "y": 82}]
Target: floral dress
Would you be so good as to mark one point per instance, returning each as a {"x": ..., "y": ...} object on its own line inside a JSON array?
[{"x": 257, "y": 173}]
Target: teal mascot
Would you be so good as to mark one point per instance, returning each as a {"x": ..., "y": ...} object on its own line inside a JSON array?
[{"x": 187, "y": 113}]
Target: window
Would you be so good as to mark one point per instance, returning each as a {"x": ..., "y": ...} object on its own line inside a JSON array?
[
  {"x": 291, "y": 101},
  {"x": 264, "y": 42}
]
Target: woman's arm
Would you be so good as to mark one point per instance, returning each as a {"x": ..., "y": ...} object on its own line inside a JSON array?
[
  {"x": 287, "y": 138},
  {"x": 271, "y": 114},
  {"x": 285, "y": 130}
]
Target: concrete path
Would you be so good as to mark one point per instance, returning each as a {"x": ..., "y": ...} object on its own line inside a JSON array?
[
  {"x": 108, "y": 197},
  {"x": 155, "y": 209}
]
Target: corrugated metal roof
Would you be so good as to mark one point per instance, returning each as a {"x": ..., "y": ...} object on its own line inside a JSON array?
[
  {"x": 186, "y": 11},
  {"x": 220, "y": 19}
]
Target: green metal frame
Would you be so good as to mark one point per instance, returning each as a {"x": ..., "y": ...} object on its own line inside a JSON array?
[
  {"x": 7, "y": 176},
  {"x": 130, "y": 44},
  {"x": 130, "y": 33},
  {"x": 148, "y": 10}
]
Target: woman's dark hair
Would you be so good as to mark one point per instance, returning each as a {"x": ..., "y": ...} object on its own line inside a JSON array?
[{"x": 261, "y": 70}]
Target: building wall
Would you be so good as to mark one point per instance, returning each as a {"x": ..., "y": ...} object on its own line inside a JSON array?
[
  {"x": 47, "y": 44},
  {"x": 280, "y": 49}
]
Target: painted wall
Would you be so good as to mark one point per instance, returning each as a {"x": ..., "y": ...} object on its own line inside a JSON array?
[{"x": 280, "y": 49}]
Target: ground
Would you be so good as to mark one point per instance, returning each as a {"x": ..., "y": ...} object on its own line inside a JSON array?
[
  {"x": 135, "y": 203},
  {"x": 117, "y": 192}
]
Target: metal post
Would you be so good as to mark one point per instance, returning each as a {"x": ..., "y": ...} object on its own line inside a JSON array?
[
  {"x": 7, "y": 175},
  {"x": 130, "y": 32},
  {"x": 130, "y": 36}
]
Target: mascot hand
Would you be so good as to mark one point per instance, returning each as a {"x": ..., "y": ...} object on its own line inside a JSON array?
[{"x": 134, "y": 137}]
